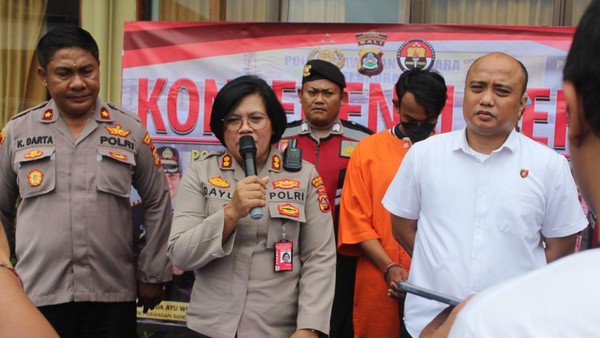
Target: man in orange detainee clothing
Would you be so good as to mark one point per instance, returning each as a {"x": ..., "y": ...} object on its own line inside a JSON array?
[{"x": 365, "y": 228}]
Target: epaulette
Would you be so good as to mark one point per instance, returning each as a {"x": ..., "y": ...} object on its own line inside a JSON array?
[
  {"x": 213, "y": 153},
  {"x": 29, "y": 110},
  {"x": 119, "y": 109},
  {"x": 356, "y": 126},
  {"x": 293, "y": 124}
]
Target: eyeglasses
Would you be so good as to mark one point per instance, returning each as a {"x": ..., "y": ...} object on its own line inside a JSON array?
[{"x": 255, "y": 121}]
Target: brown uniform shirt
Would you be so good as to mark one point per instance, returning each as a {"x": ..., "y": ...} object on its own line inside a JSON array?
[
  {"x": 73, "y": 232},
  {"x": 237, "y": 289}
]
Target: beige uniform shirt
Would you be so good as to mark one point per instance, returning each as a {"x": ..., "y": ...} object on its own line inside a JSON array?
[
  {"x": 73, "y": 232},
  {"x": 237, "y": 290}
]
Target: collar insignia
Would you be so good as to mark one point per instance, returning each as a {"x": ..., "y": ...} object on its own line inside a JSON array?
[
  {"x": 226, "y": 161},
  {"x": 48, "y": 115}
]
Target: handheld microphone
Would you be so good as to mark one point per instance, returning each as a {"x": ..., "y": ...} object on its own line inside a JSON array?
[{"x": 248, "y": 152}]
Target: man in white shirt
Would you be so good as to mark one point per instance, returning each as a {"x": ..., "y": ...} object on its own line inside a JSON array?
[{"x": 490, "y": 203}]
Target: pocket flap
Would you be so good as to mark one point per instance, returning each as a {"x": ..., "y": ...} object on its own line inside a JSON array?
[
  {"x": 289, "y": 210},
  {"x": 34, "y": 153},
  {"x": 117, "y": 154}
]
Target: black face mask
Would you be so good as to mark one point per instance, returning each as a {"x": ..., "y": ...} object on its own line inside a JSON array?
[{"x": 418, "y": 131}]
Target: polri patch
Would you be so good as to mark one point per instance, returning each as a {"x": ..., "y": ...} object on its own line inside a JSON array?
[{"x": 524, "y": 173}]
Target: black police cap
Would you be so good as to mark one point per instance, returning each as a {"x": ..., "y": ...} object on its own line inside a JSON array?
[{"x": 320, "y": 69}]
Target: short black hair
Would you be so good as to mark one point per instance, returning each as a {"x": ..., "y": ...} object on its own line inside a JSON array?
[
  {"x": 64, "y": 37},
  {"x": 429, "y": 89},
  {"x": 230, "y": 96},
  {"x": 582, "y": 67}
]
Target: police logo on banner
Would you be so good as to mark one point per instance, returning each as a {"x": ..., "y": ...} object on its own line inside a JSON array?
[
  {"x": 370, "y": 54},
  {"x": 415, "y": 53}
]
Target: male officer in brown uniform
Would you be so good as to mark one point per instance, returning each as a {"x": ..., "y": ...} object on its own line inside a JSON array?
[{"x": 72, "y": 160}]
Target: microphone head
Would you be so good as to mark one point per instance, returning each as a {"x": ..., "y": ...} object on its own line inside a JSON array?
[{"x": 247, "y": 145}]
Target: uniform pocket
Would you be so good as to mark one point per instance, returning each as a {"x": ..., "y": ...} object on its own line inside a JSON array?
[
  {"x": 36, "y": 171},
  {"x": 287, "y": 214},
  {"x": 114, "y": 170}
]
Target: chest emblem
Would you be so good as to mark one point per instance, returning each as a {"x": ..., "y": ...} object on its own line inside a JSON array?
[
  {"x": 288, "y": 210},
  {"x": 118, "y": 131},
  {"x": 286, "y": 184},
  {"x": 219, "y": 182},
  {"x": 524, "y": 173},
  {"x": 34, "y": 154},
  {"x": 347, "y": 148},
  {"x": 35, "y": 178},
  {"x": 117, "y": 155}
]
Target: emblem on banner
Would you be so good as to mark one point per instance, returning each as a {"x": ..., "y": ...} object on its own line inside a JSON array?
[
  {"x": 34, "y": 154},
  {"x": 331, "y": 54},
  {"x": 35, "y": 178},
  {"x": 48, "y": 115},
  {"x": 117, "y": 131},
  {"x": 288, "y": 210},
  {"x": 524, "y": 173},
  {"x": 219, "y": 182},
  {"x": 370, "y": 55},
  {"x": 415, "y": 53}
]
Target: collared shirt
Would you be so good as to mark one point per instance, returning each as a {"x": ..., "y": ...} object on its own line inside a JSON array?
[
  {"x": 73, "y": 231},
  {"x": 237, "y": 291},
  {"x": 558, "y": 300},
  {"x": 480, "y": 218}
]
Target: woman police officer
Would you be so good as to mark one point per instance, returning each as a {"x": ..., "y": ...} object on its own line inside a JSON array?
[{"x": 241, "y": 289}]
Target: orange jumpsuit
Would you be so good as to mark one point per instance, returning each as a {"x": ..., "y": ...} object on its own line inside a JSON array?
[{"x": 371, "y": 169}]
